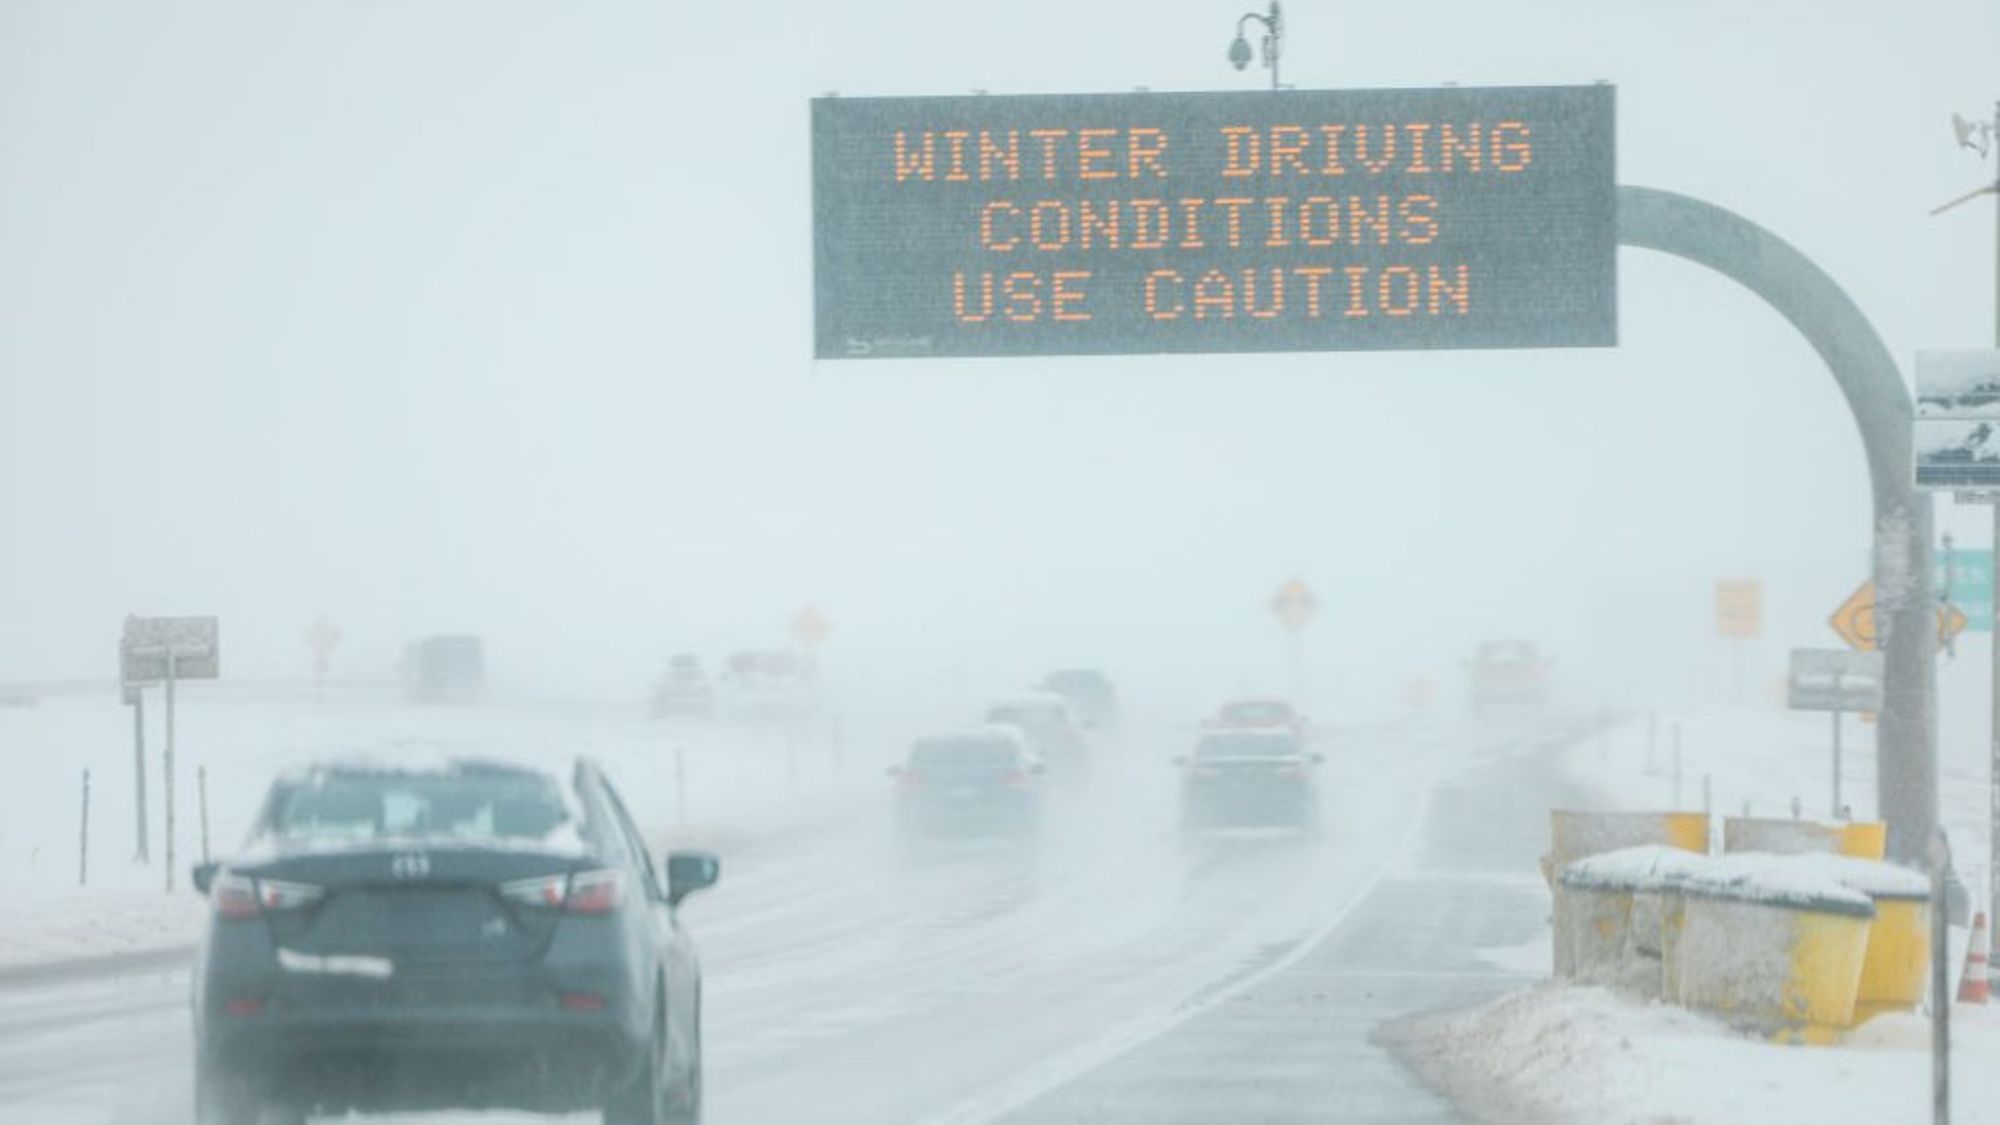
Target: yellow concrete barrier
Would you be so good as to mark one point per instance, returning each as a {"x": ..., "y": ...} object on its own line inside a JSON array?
[
  {"x": 1614, "y": 913},
  {"x": 1865, "y": 840},
  {"x": 1778, "y": 968},
  {"x": 1868, "y": 839},
  {"x": 1574, "y": 834},
  {"x": 1898, "y": 961}
]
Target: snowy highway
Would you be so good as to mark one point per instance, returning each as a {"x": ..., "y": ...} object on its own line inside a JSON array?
[{"x": 1114, "y": 972}]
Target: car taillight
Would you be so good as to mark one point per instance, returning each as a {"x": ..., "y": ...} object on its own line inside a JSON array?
[
  {"x": 586, "y": 892},
  {"x": 594, "y": 892},
  {"x": 236, "y": 896}
]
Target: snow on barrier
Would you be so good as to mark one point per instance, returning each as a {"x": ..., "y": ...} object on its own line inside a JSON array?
[
  {"x": 1797, "y": 946},
  {"x": 1865, "y": 840}
]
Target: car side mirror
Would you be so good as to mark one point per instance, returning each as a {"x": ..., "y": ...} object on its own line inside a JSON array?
[
  {"x": 203, "y": 876},
  {"x": 688, "y": 872}
]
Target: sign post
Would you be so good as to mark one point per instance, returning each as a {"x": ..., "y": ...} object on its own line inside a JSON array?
[
  {"x": 1837, "y": 681},
  {"x": 1294, "y": 605},
  {"x": 136, "y": 696},
  {"x": 168, "y": 650},
  {"x": 1739, "y": 617},
  {"x": 1957, "y": 447}
]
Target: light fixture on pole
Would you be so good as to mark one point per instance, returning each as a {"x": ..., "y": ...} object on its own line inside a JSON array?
[{"x": 1274, "y": 35}]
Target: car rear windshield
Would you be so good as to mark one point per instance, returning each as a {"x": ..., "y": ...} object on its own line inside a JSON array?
[
  {"x": 962, "y": 753},
  {"x": 1258, "y": 712},
  {"x": 465, "y": 806},
  {"x": 1025, "y": 715},
  {"x": 1245, "y": 746}
]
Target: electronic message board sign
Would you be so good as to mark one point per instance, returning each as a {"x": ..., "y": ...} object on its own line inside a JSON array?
[{"x": 1298, "y": 220}]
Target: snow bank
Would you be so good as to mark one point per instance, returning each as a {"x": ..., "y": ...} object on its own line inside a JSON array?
[{"x": 1561, "y": 1055}]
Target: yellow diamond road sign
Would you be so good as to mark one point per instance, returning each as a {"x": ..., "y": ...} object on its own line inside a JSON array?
[
  {"x": 1855, "y": 620},
  {"x": 1294, "y": 605},
  {"x": 810, "y": 625}
]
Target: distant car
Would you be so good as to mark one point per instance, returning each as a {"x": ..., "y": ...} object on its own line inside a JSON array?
[
  {"x": 448, "y": 669},
  {"x": 1089, "y": 692},
  {"x": 1045, "y": 718},
  {"x": 982, "y": 781},
  {"x": 1507, "y": 672},
  {"x": 1259, "y": 712},
  {"x": 684, "y": 690},
  {"x": 768, "y": 682},
  {"x": 1250, "y": 777},
  {"x": 457, "y": 935}
]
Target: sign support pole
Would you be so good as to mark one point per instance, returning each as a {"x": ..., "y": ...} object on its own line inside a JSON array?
[
  {"x": 167, "y": 798},
  {"x": 143, "y": 853},
  {"x": 1836, "y": 746},
  {"x": 1940, "y": 858}
]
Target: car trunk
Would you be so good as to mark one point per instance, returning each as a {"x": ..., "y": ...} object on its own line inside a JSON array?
[{"x": 422, "y": 910}]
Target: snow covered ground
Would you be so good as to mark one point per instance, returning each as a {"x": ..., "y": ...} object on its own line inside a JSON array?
[
  {"x": 743, "y": 783},
  {"x": 1559, "y": 1055},
  {"x": 1562, "y": 1054}
]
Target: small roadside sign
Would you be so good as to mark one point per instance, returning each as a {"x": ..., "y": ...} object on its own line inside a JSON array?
[
  {"x": 191, "y": 645},
  {"x": 1834, "y": 679},
  {"x": 1739, "y": 609},
  {"x": 1966, "y": 577},
  {"x": 1294, "y": 605},
  {"x": 1854, "y": 621}
]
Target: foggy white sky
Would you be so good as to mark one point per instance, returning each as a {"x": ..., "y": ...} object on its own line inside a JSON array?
[{"x": 496, "y": 316}]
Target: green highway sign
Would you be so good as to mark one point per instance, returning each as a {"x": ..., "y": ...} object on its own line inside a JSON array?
[{"x": 1966, "y": 576}]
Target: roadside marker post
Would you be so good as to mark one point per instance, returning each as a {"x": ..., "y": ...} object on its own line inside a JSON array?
[
  {"x": 136, "y": 696},
  {"x": 201, "y": 794},
  {"x": 83, "y": 839}
]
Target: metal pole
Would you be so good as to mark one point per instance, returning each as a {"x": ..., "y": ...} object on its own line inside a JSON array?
[
  {"x": 143, "y": 853},
  {"x": 1940, "y": 984},
  {"x": 201, "y": 791},
  {"x": 1277, "y": 41},
  {"x": 167, "y": 794},
  {"x": 1836, "y": 746},
  {"x": 680, "y": 786},
  {"x": 1993, "y": 748},
  {"x": 1298, "y": 655},
  {"x": 1677, "y": 766},
  {"x": 83, "y": 838}
]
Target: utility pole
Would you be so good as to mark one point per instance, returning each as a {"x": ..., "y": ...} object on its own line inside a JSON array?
[{"x": 1980, "y": 136}]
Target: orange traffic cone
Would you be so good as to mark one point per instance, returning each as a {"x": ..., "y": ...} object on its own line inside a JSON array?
[{"x": 1973, "y": 987}]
